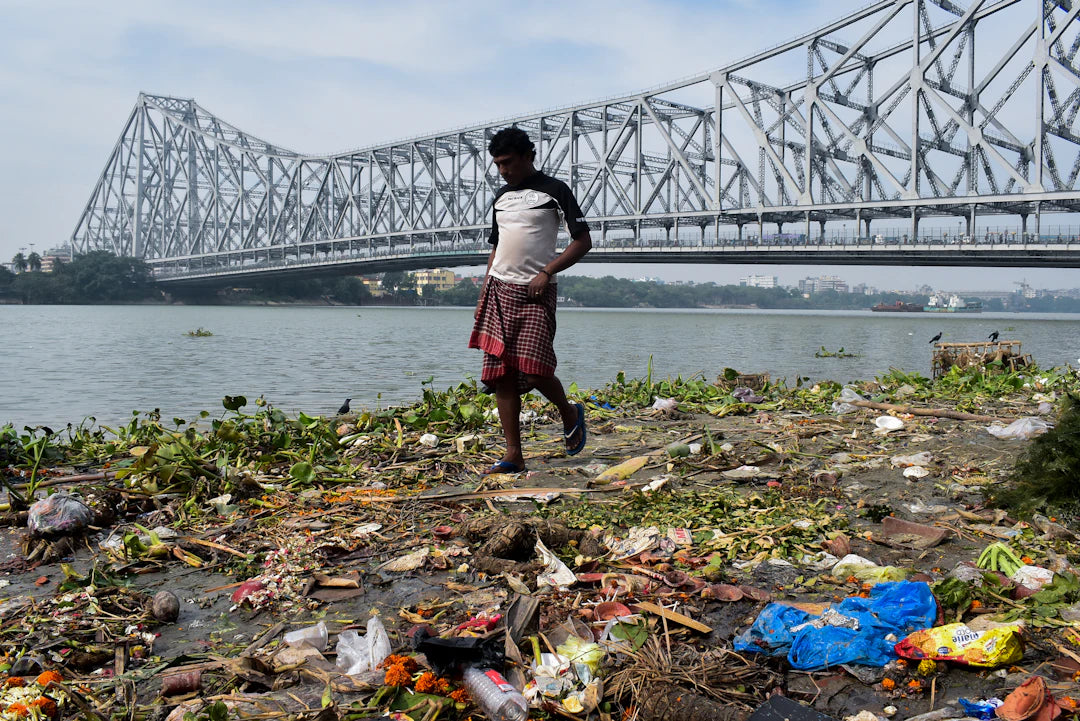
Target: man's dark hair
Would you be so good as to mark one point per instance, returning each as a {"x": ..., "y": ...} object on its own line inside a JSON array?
[{"x": 511, "y": 140}]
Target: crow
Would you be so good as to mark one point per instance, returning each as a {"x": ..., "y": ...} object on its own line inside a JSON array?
[
  {"x": 344, "y": 407},
  {"x": 993, "y": 337},
  {"x": 936, "y": 338}
]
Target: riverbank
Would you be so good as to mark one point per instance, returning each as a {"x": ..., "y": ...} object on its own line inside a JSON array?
[{"x": 264, "y": 524}]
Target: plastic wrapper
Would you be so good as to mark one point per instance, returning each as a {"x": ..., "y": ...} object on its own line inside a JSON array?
[
  {"x": 584, "y": 656},
  {"x": 357, "y": 654},
  {"x": 61, "y": 514},
  {"x": 915, "y": 459},
  {"x": 314, "y": 636},
  {"x": 746, "y": 395},
  {"x": 555, "y": 574},
  {"x": 1021, "y": 429},
  {"x": 847, "y": 395},
  {"x": 1034, "y": 577},
  {"x": 665, "y": 404},
  {"x": 956, "y": 642},
  {"x": 983, "y": 710}
]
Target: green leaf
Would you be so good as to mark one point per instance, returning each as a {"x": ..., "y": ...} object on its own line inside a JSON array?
[
  {"x": 219, "y": 711},
  {"x": 327, "y": 697},
  {"x": 303, "y": 472},
  {"x": 233, "y": 403},
  {"x": 635, "y": 633},
  {"x": 731, "y": 374}
]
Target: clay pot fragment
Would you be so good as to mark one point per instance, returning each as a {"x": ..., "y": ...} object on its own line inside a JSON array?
[
  {"x": 723, "y": 592},
  {"x": 755, "y": 594},
  {"x": 610, "y": 609}
]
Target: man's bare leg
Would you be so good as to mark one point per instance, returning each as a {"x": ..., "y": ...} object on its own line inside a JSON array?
[
  {"x": 552, "y": 388},
  {"x": 509, "y": 403}
]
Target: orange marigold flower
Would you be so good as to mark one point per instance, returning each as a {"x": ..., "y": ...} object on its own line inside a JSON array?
[
  {"x": 47, "y": 677},
  {"x": 976, "y": 603},
  {"x": 406, "y": 662},
  {"x": 19, "y": 710},
  {"x": 15, "y": 681},
  {"x": 915, "y": 684},
  {"x": 428, "y": 683},
  {"x": 46, "y": 705},
  {"x": 1027, "y": 559},
  {"x": 888, "y": 684},
  {"x": 460, "y": 696},
  {"x": 396, "y": 675}
]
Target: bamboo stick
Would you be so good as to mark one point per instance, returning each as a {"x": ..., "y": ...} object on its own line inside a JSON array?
[{"x": 936, "y": 412}]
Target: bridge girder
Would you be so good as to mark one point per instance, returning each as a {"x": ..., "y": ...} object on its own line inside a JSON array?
[{"x": 895, "y": 115}]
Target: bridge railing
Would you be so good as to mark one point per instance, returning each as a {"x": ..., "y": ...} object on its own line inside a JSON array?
[{"x": 356, "y": 254}]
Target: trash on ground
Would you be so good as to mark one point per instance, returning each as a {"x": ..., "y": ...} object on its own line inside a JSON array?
[
  {"x": 1021, "y": 429},
  {"x": 956, "y": 642}
]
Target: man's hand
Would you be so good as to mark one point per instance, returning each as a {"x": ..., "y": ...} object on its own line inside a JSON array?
[{"x": 538, "y": 285}]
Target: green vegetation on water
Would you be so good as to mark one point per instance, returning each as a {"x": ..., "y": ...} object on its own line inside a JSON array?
[{"x": 225, "y": 454}]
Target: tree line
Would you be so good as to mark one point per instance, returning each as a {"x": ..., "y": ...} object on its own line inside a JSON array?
[
  {"x": 101, "y": 277},
  {"x": 96, "y": 277}
]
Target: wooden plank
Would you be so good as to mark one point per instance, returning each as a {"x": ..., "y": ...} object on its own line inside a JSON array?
[{"x": 674, "y": 616}]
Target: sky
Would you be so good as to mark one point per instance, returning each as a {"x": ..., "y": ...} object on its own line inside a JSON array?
[{"x": 326, "y": 76}]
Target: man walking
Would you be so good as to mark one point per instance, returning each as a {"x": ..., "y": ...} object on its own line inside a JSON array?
[{"x": 515, "y": 316}]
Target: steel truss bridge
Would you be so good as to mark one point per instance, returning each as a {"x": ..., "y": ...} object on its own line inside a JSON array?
[{"x": 901, "y": 111}]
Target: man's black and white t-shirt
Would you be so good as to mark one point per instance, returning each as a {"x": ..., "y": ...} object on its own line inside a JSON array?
[{"x": 527, "y": 217}]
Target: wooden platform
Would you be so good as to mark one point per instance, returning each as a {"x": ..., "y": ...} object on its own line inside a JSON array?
[{"x": 982, "y": 354}]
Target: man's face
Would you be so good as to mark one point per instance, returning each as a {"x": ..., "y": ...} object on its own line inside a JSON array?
[{"x": 514, "y": 167}]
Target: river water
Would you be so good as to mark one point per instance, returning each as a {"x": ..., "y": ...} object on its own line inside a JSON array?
[{"x": 59, "y": 364}]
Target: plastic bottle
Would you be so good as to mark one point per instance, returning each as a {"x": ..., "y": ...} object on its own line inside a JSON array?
[{"x": 499, "y": 700}]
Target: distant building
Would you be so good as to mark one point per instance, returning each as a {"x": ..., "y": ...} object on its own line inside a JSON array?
[
  {"x": 374, "y": 286},
  {"x": 49, "y": 262},
  {"x": 759, "y": 281},
  {"x": 438, "y": 280},
  {"x": 823, "y": 283}
]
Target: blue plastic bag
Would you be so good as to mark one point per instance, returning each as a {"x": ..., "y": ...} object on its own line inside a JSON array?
[
  {"x": 771, "y": 632},
  {"x": 892, "y": 608}
]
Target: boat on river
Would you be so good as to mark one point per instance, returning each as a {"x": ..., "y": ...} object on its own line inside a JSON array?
[
  {"x": 952, "y": 304},
  {"x": 898, "y": 307}
]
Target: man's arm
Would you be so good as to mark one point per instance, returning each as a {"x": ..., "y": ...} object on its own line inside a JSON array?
[
  {"x": 487, "y": 273},
  {"x": 574, "y": 252}
]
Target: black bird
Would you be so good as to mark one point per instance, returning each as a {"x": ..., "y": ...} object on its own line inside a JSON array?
[
  {"x": 993, "y": 337},
  {"x": 344, "y": 407},
  {"x": 936, "y": 338}
]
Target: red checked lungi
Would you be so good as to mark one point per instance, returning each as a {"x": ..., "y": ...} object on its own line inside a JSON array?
[{"x": 514, "y": 333}]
